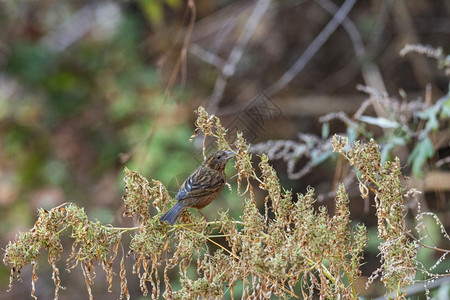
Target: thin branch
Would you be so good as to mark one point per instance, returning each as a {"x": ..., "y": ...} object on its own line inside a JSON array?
[
  {"x": 370, "y": 72},
  {"x": 206, "y": 56},
  {"x": 349, "y": 27},
  {"x": 426, "y": 246},
  {"x": 236, "y": 53},
  {"x": 181, "y": 61},
  {"x": 312, "y": 48}
]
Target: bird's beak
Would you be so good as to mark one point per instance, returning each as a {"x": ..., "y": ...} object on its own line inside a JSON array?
[{"x": 229, "y": 154}]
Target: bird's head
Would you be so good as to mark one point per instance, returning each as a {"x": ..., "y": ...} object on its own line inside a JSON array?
[{"x": 218, "y": 160}]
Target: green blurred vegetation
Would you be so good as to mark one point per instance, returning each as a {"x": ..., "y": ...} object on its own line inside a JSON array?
[
  {"x": 71, "y": 114},
  {"x": 74, "y": 118}
]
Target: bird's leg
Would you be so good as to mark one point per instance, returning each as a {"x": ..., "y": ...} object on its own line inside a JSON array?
[{"x": 200, "y": 212}]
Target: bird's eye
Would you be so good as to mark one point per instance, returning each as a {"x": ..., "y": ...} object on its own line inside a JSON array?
[{"x": 218, "y": 156}]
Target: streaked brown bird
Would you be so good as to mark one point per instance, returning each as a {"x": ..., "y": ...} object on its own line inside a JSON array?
[{"x": 201, "y": 187}]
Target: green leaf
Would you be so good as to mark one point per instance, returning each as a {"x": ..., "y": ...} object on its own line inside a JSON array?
[
  {"x": 430, "y": 115},
  {"x": 325, "y": 130},
  {"x": 318, "y": 157},
  {"x": 423, "y": 151},
  {"x": 391, "y": 144},
  {"x": 173, "y": 3},
  {"x": 351, "y": 134},
  {"x": 445, "y": 112},
  {"x": 153, "y": 10},
  {"x": 28, "y": 62},
  {"x": 380, "y": 122},
  {"x": 385, "y": 151},
  {"x": 400, "y": 140}
]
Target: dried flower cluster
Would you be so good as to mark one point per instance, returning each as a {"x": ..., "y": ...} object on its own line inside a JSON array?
[
  {"x": 92, "y": 242},
  {"x": 289, "y": 249},
  {"x": 397, "y": 252}
]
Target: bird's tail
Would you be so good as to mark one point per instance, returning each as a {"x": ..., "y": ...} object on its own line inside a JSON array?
[{"x": 172, "y": 215}]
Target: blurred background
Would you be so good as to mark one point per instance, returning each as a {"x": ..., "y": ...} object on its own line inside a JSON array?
[{"x": 89, "y": 87}]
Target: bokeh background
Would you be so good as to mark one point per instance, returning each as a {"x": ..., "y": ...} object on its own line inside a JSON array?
[{"x": 89, "y": 87}]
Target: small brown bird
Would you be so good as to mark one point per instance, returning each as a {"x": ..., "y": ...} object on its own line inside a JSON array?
[{"x": 201, "y": 187}]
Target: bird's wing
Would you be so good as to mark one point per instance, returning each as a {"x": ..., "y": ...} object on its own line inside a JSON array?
[{"x": 200, "y": 184}]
